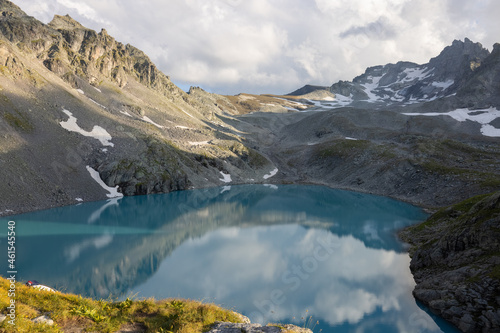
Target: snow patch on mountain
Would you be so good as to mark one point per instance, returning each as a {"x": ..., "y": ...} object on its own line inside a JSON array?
[
  {"x": 96, "y": 103},
  {"x": 271, "y": 174},
  {"x": 413, "y": 74},
  {"x": 405, "y": 83},
  {"x": 148, "y": 120},
  {"x": 370, "y": 87},
  {"x": 482, "y": 116},
  {"x": 226, "y": 178},
  {"x": 113, "y": 191},
  {"x": 97, "y": 132},
  {"x": 444, "y": 85},
  {"x": 126, "y": 113}
]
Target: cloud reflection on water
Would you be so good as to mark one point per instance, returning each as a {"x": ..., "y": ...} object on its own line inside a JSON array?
[
  {"x": 280, "y": 269},
  {"x": 269, "y": 253}
]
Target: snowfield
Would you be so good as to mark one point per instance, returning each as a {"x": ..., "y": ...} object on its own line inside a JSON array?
[
  {"x": 113, "y": 191},
  {"x": 483, "y": 117},
  {"x": 415, "y": 74},
  {"x": 445, "y": 85},
  {"x": 97, "y": 132},
  {"x": 148, "y": 120},
  {"x": 370, "y": 87},
  {"x": 126, "y": 113},
  {"x": 271, "y": 174},
  {"x": 198, "y": 143},
  {"x": 226, "y": 178},
  {"x": 98, "y": 104}
]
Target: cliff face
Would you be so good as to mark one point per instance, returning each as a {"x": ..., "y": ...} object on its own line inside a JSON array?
[
  {"x": 67, "y": 48},
  {"x": 483, "y": 84},
  {"x": 458, "y": 60},
  {"x": 456, "y": 263}
]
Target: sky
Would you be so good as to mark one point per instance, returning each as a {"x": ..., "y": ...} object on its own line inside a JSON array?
[{"x": 277, "y": 46}]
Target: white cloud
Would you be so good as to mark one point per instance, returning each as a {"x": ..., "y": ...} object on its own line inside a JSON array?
[
  {"x": 276, "y": 46},
  {"x": 80, "y": 7}
]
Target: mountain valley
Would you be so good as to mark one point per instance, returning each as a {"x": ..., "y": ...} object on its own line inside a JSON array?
[
  {"x": 74, "y": 100},
  {"x": 84, "y": 117}
]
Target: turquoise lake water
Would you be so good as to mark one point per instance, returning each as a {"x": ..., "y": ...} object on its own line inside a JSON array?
[{"x": 309, "y": 255}]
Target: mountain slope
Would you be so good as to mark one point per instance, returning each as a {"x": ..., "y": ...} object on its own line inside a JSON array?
[
  {"x": 73, "y": 102},
  {"x": 84, "y": 117}
]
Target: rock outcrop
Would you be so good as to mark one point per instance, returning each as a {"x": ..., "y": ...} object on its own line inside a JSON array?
[
  {"x": 69, "y": 49},
  {"x": 482, "y": 86},
  {"x": 455, "y": 260},
  {"x": 223, "y": 327}
]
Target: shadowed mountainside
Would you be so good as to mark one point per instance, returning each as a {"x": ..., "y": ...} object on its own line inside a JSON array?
[{"x": 456, "y": 263}]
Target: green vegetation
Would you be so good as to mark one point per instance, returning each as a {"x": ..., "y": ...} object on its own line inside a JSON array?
[
  {"x": 254, "y": 158},
  {"x": 486, "y": 179},
  {"x": 14, "y": 117},
  {"x": 434, "y": 166},
  {"x": 489, "y": 179},
  {"x": 18, "y": 121},
  {"x": 458, "y": 159},
  {"x": 342, "y": 148},
  {"x": 456, "y": 213},
  {"x": 495, "y": 273},
  {"x": 70, "y": 311},
  {"x": 345, "y": 148}
]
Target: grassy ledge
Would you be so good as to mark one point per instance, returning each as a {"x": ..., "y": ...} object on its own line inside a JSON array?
[{"x": 74, "y": 313}]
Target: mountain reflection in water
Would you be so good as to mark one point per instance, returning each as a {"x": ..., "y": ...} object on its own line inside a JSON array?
[{"x": 274, "y": 254}]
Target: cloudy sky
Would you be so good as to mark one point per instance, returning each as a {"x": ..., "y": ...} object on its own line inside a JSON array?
[{"x": 277, "y": 46}]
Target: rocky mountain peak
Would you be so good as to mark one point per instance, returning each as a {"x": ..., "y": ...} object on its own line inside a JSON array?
[
  {"x": 75, "y": 52},
  {"x": 481, "y": 85},
  {"x": 466, "y": 47},
  {"x": 8, "y": 9},
  {"x": 458, "y": 59},
  {"x": 65, "y": 23}
]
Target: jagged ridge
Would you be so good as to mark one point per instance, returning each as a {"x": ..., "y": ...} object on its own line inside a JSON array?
[{"x": 406, "y": 83}]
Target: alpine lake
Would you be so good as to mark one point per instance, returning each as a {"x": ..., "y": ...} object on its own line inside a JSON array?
[{"x": 313, "y": 256}]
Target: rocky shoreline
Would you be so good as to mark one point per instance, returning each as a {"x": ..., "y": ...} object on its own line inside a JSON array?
[
  {"x": 225, "y": 327},
  {"x": 455, "y": 260}
]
